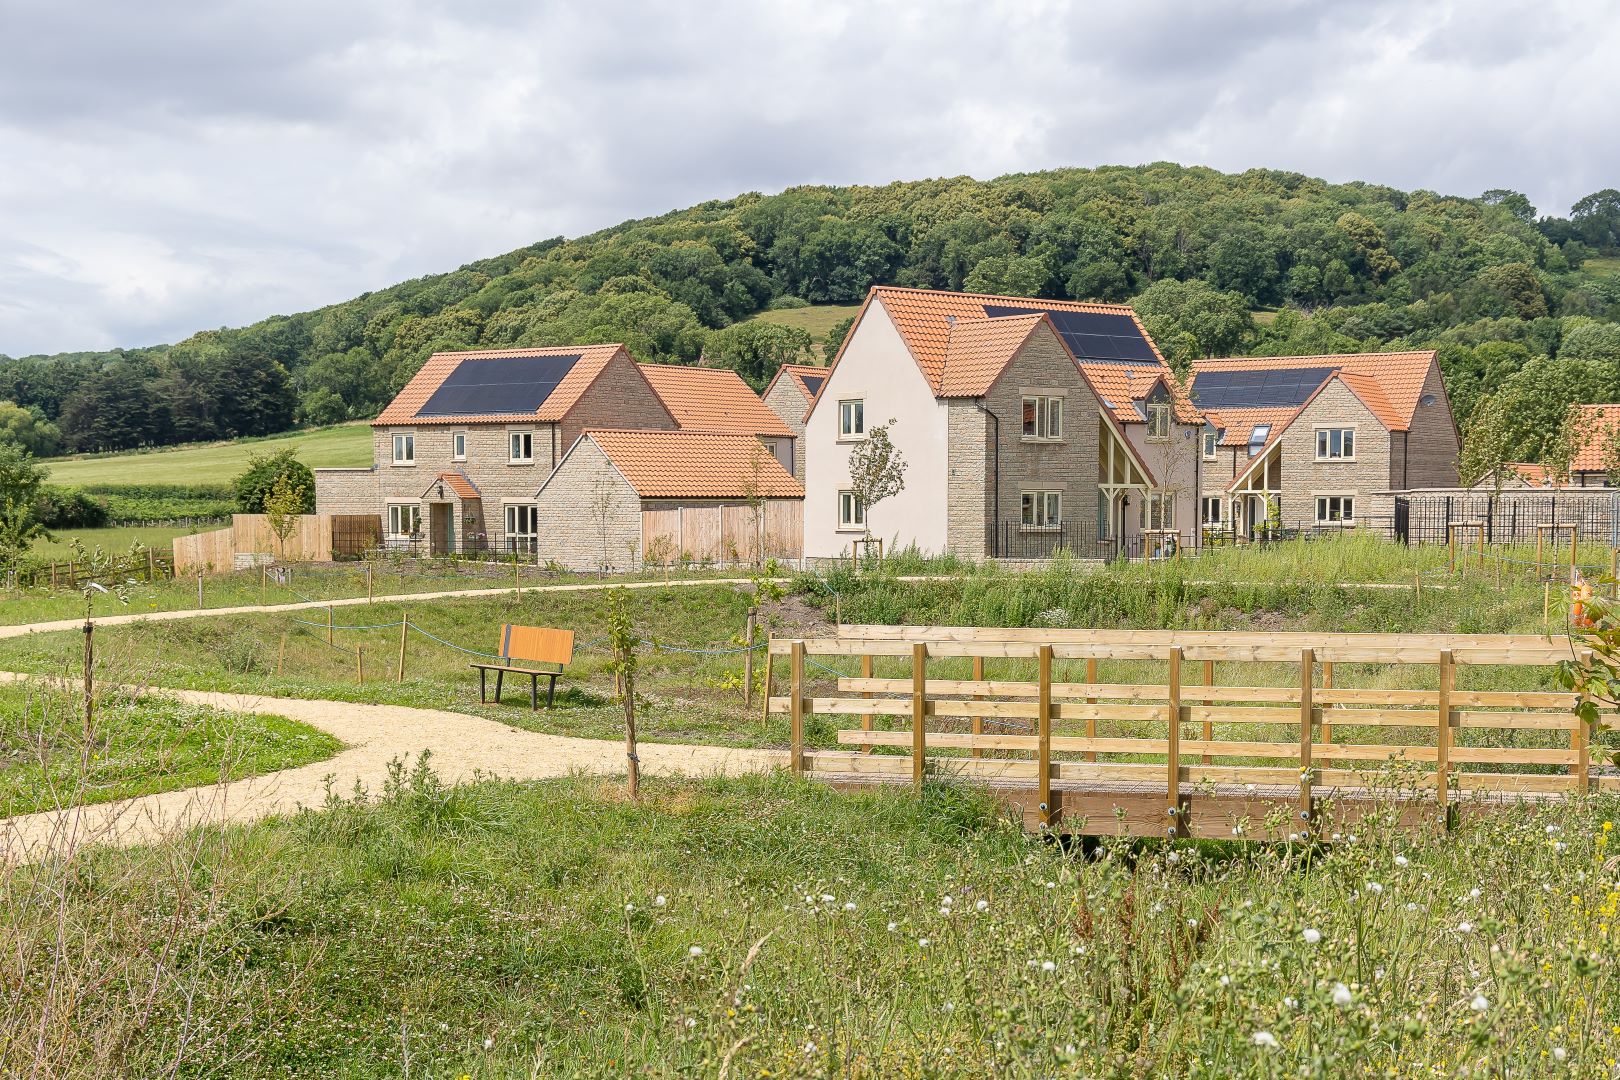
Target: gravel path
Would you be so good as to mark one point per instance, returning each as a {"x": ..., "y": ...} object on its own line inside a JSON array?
[{"x": 461, "y": 746}]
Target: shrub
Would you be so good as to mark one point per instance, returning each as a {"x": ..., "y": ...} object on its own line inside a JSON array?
[
  {"x": 257, "y": 482},
  {"x": 69, "y": 508}
]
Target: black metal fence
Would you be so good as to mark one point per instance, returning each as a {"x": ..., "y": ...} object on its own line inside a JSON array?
[
  {"x": 502, "y": 548},
  {"x": 1507, "y": 518},
  {"x": 1082, "y": 540}
]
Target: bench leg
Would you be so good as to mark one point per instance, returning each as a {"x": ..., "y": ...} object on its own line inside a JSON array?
[
  {"x": 482, "y": 683},
  {"x": 534, "y": 692},
  {"x": 500, "y": 677},
  {"x": 551, "y": 692}
]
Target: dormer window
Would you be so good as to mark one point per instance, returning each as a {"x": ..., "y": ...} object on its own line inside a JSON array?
[
  {"x": 1158, "y": 420},
  {"x": 1258, "y": 437},
  {"x": 1212, "y": 441}
]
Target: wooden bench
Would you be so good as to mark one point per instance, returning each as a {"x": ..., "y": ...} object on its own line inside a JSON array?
[{"x": 533, "y": 645}]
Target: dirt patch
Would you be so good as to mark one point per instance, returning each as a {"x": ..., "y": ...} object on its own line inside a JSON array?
[{"x": 793, "y": 616}]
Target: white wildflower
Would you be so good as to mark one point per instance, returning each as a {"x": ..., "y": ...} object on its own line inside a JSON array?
[
  {"x": 1465, "y": 928},
  {"x": 1047, "y": 965},
  {"x": 1559, "y": 1053},
  {"x": 1401, "y": 860},
  {"x": 660, "y": 900},
  {"x": 922, "y": 943},
  {"x": 1479, "y": 1004},
  {"x": 893, "y": 926},
  {"x": 1265, "y": 1039},
  {"x": 849, "y": 905},
  {"x": 1342, "y": 996},
  {"x": 696, "y": 950},
  {"x": 1374, "y": 888},
  {"x": 981, "y": 905},
  {"x": 1312, "y": 935}
]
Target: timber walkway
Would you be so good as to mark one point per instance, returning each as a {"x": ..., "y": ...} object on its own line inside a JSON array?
[{"x": 1195, "y": 733}]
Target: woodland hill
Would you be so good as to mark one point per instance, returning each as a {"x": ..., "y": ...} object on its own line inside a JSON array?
[{"x": 1517, "y": 304}]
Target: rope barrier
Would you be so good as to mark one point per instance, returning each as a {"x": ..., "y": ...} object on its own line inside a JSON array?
[
  {"x": 453, "y": 645},
  {"x": 340, "y": 626}
]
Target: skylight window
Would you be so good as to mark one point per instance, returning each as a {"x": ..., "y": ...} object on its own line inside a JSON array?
[{"x": 1258, "y": 437}]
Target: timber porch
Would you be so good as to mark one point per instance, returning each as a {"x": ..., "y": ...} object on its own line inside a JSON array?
[{"x": 1274, "y": 735}]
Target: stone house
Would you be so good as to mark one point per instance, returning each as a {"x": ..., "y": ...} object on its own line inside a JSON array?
[
  {"x": 789, "y": 395},
  {"x": 1318, "y": 442},
  {"x": 1027, "y": 425},
  {"x": 459, "y": 453},
  {"x": 717, "y": 400},
  {"x": 620, "y": 498},
  {"x": 1586, "y": 469}
]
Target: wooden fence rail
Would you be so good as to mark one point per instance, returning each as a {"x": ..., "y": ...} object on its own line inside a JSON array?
[{"x": 1156, "y": 754}]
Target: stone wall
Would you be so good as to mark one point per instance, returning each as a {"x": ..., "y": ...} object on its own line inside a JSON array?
[
  {"x": 589, "y": 515},
  {"x": 621, "y": 397},
  {"x": 346, "y": 491},
  {"x": 488, "y": 466},
  {"x": 1303, "y": 477},
  {"x": 787, "y": 401}
]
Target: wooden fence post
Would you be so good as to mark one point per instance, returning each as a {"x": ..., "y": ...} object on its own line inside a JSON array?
[
  {"x": 404, "y": 632},
  {"x": 1209, "y": 726},
  {"x": 281, "y": 653},
  {"x": 359, "y": 666},
  {"x": 748, "y": 662},
  {"x": 1307, "y": 676},
  {"x": 151, "y": 566},
  {"x": 1172, "y": 713},
  {"x": 796, "y": 707},
  {"x": 978, "y": 721},
  {"x": 1043, "y": 744},
  {"x": 1451, "y": 550},
  {"x": 919, "y": 712},
  {"x": 329, "y": 626},
  {"x": 368, "y": 584},
  {"x": 1579, "y": 739},
  {"x": 1442, "y": 742},
  {"x": 765, "y": 704},
  {"x": 866, "y": 718},
  {"x": 199, "y": 590},
  {"x": 1327, "y": 684},
  {"x": 1540, "y": 535},
  {"x": 1091, "y": 721}
]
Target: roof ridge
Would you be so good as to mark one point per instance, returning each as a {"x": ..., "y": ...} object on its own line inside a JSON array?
[
  {"x": 1110, "y": 308},
  {"x": 1310, "y": 356},
  {"x": 524, "y": 350}
]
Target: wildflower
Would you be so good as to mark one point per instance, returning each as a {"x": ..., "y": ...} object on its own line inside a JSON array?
[
  {"x": 1401, "y": 860},
  {"x": 1410, "y": 906},
  {"x": 922, "y": 943},
  {"x": 660, "y": 900},
  {"x": 1312, "y": 935},
  {"x": 1342, "y": 996},
  {"x": 809, "y": 1047},
  {"x": 944, "y": 911},
  {"x": 1292, "y": 1003},
  {"x": 691, "y": 1022},
  {"x": 1560, "y": 847},
  {"x": 696, "y": 950},
  {"x": 629, "y": 907},
  {"x": 809, "y": 899},
  {"x": 1226, "y": 980},
  {"x": 849, "y": 905},
  {"x": 1473, "y": 894},
  {"x": 827, "y": 898},
  {"x": 489, "y": 1044},
  {"x": 1465, "y": 928},
  {"x": 946, "y": 901},
  {"x": 1265, "y": 1039},
  {"x": 1374, "y": 888},
  {"x": 981, "y": 905},
  {"x": 1047, "y": 965},
  {"x": 1559, "y": 1053},
  {"x": 1479, "y": 1004},
  {"x": 893, "y": 926},
  {"x": 1551, "y": 829}
]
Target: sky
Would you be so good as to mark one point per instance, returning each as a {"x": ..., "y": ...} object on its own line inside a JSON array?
[{"x": 171, "y": 166}]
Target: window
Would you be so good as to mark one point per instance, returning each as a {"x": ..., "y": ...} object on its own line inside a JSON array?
[
  {"x": 404, "y": 519},
  {"x": 1043, "y": 418},
  {"x": 404, "y": 448},
  {"x": 1258, "y": 437},
  {"x": 522, "y": 527},
  {"x": 1332, "y": 508},
  {"x": 1335, "y": 444},
  {"x": 1158, "y": 420},
  {"x": 458, "y": 446},
  {"x": 1042, "y": 509},
  {"x": 1212, "y": 441},
  {"x": 851, "y": 514},
  {"x": 1210, "y": 510},
  {"x": 1159, "y": 510},
  {"x": 852, "y": 419},
  {"x": 522, "y": 443}
]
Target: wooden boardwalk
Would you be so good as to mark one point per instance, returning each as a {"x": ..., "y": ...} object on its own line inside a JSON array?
[{"x": 1198, "y": 733}]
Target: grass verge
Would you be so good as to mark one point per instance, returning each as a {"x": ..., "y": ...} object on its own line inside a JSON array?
[{"x": 214, "y": 463}]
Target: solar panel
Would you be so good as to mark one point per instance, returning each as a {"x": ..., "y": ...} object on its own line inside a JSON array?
[
  {"x": 1278, "y": 388},
  {"x": 1094, "y": 336},
  {"x": 813, "y": 383},
  {"x": 502, "y": 385}
]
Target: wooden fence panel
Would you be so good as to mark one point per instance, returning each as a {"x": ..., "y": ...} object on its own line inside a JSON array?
[
  {"x": 209, "y": 551},
  {"x": 740, "y": 528},
  {"x": 784, "y": 529}
]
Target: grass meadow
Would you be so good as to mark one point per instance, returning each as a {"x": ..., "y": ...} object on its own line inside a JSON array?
[
  {"x": 213, "y": 463},
  {"x": 818, "y": 319}
]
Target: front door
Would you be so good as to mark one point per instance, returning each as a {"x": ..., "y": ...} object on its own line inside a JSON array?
[{"x": 439, "y": 535}]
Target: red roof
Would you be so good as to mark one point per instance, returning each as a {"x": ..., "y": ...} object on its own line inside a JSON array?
[
  {"x": 712, "y": 399},
  {"x": 693, "y": 464},
  {"x": 1600, "y": 421},
  {"x": 1389, "y": 384},
  {"x": 797, "y": 373}
]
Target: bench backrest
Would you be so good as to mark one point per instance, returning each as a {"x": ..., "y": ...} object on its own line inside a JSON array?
[{"x": 536, "y": 644}]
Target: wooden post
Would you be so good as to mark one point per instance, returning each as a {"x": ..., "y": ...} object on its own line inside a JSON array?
[
  {"x": 264, "y": 584},
  {"x": 368, "y": 583},
  {"x": 1172, "y": 714},
  {"x": 1546, "y": 605},
  {"x": 748, "y": 662},
  {"x": 1209, "y": 726},
  {"x": 1579, "y": 739},
  {"x": 1307, "y": 676},
  {"x": 1541, "y": 534},
  {"x": 765, "y": 704},
  {"x": 151, "y": 566},
  {"x": 1091, "y": 721},
  {"x": 1451, "y": 549},
  {"x": 199, "y": 591},
  {"x": 1442, "y": 742},
  {"x": 281, "y": 653},
  {"x": 919, "y": 712},
  {"x": 978, "y": 721},
  {"x": 1614, "y": 572},
  {"x": 89, "y": 682},
  {"x": 1043, "y": 734},
  {"x": 53, "y": 575},
  {"x": 359, "y": 666},
  {"x": 796, "y": 708},
  {"x": 329, "y": 626},
  {"x": 404, "y": 633},
  {"x": 1327, "y": 684},
  {"x": 866, "y": 718}
]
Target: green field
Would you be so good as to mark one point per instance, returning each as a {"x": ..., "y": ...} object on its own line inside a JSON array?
[
  {"x": 115, "y": 540},
  {"x": 214, "y": 463},
  {"x": 819, "y": 320},
  {"x": 1602, "y": 267}
]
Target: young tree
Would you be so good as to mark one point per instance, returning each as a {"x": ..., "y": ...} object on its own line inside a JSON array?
[
  {"x": 877, "y": 471},
  {"x": 282, "y": 507},
  {"x": 258, "y": 481},
  {"x": 1573, "y": 434},
  {"x": 20, "y": 480},
  {"x": 1488, "y": 443},
  {"x": 622, "y": 638}
]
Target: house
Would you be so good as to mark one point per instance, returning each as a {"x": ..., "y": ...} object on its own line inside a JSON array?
[
  {"x": 459, "y": 453},
  {"x": 1307, "y": 441},
  {"x": 717, "y": 400},
  {"x": 1596, "y": 425},
  {"x": 789, "y": 395},
  {"x": 619, "y": 498},
  {"x": 1026, "y": 425}
]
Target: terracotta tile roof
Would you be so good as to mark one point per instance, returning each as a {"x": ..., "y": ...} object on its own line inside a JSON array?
[
  {"x": 1399, "y": 376},
  {"x": 1371, "y": 393},
  {"x": 978, "y": 350},
  {"x": 1600, "y": 421},
  {"x": 1235, "y": 425},
  {"x": 1531, "y": 473},
  {"x": 459, "y": 483},
  {"x": 798, "y": 372},
  {"x": 592, "y": 359},
  {"x": 694, "y": 464},
  {"x": 712, "y": 399}
]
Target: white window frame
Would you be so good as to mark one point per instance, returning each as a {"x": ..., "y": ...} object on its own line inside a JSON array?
[
  {"x": 851, "y": 419},
  {"x": 512, "y": 522},
  {"x": 1325, "y": 438},
  {"x": 404, "y": 448},
  {"x": 1257, "y": 440},
  {"x": 1204, "y": 505},
  {"x": 1212, "y": 443},
  {"x": 851, "y": 514},
  {"x": 513, "y": 438},
  {"x": 1158, "y": 510},
  {"x": 1324, "y": 508},
  {"x": 412, "y": 516},
  {"x": 1158, "y": 417},
  {"x": 1040, "y": 510},
  {"x": 458, "y": 446},
  {"x": 1044, "y": 414}
]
